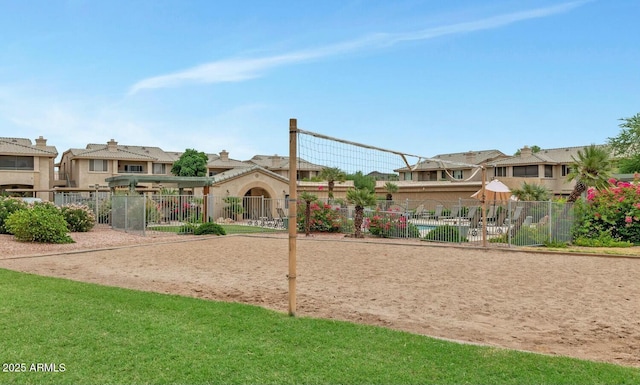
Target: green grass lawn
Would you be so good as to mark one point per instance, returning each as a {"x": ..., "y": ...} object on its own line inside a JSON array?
[
  {"x": 229, "y": 229},
  {"x": 110, "y": 335}
]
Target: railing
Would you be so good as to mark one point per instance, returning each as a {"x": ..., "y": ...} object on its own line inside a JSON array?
[{"x": 511, "y": 223}]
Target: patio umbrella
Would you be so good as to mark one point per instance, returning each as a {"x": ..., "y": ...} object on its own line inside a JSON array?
[{"x": 494, "y": 191}]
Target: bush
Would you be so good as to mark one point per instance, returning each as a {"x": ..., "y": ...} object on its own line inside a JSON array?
[
  {"x": 445, "y": 233},
  {"x": 79, "y": 218},
  {"x": 614, "y": 211},
  {"x": 9, "y": 206},
  {"x": 43, "y": 223},
  {"x": 529, "y": 236},
  {"x": 604, "y": 239},
  {"x": 324, "y": 217},
  {"x": 390, "y": 224},
  {"x": 187, "y": 228},
  {"x": 209, "y": 228}
]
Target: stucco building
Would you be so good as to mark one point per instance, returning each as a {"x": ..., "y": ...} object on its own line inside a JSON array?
[{"x": 25, "y": 166}]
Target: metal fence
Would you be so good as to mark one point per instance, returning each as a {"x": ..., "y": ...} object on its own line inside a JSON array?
[
  {"x": 98, "y": 201},
  {"x": 512, "y": 223},
  {"x": 182, "y": 214},
  {"x": 461, "y": 221}
]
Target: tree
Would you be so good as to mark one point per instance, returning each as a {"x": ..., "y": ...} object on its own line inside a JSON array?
[
  {"x": 531, "y": 192},
  {"x": 332, "y": 175},
  {"x": 362, "y": 182},
  {"x": 191, "y": 163},
  {"x": 361, "y": 198},
  {"x": 308, "y": 198},
  {"x": 592, "y": 168},
  {"x": 391, "y": 189},
  {"x": 627, "y": 144}
]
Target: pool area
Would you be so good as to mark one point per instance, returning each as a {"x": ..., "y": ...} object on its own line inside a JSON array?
[{"x": 424, "y": 229}]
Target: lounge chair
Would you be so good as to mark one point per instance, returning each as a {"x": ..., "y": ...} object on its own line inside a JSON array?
[
  {"x": 455, "y": 212},
  {"x": 491, "y": 214},
  {"x": 281, "y": 217},
  {"x": 515, "y": 216},
  {"x": 474, "y": 219},
  {"x": 437, "y": 214},
  {"x": 420, "y": 212}
]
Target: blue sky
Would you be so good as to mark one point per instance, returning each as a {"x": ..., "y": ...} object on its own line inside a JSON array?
[{"x": 422, "y": 77}]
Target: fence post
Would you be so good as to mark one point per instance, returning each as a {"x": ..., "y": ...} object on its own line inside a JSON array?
[{"x": 126, "y": 214}]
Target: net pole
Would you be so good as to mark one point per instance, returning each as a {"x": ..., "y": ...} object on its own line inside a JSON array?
[
  {"x": 484, "y": 207},
  {"x": 293, "y": 212}
]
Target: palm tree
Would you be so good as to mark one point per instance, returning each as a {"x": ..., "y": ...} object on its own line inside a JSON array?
[
  {"x": 332, "y": 175},
  {"x": 307, "y": 198},
  {"x": 531, "y": 192},
  {"x": 391, "y": 189},
  {"x": 360, "y": 198},
  {"x": 592, "y": 168}
]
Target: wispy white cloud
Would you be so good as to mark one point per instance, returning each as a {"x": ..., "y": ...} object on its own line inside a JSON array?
[{"x": 241, "y": 69}]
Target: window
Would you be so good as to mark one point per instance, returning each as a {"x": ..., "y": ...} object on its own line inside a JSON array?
[
  {"x": 566, "y": 169},
  {"x": 407, "y": 176},
  {"x": 12, "y": 162},
  {"x": 99, "y": 165},
  {"x": 500, "y": 171},
  {"x": 212, "y": 173},
  {"x": 456, "y": 174},
  {"x": 548, "y": 171},
  {"x": 526, "y": 171},
  {"x": 159, "y": 168},
  {"x": 133, "y": 168}
]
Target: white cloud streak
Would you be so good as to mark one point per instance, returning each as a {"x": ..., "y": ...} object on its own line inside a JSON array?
[{"x": 238, "y": 69}]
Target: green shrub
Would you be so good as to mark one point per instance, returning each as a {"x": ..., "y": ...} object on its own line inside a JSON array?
[
  {"x": 43, "y": 223},
  {"x": 556, "y": 244},
  {"x": 604, "y": 239},
  {"x": 209, "y": 228},
  {"x": 9, "y": 206},
  {"x": 187, "y": 228},
  {"x": 79, "y": 218},
  {"x": 445, "y": 233},
  {"x": 531, "y": 236}
]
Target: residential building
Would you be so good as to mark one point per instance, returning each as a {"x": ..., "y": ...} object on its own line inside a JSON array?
[
  {"x": 450, "y": 167},
  {"x": 25, "y": 166},
  {"x": 87, "y": 168},
  {"x": 547, "y": 167}
]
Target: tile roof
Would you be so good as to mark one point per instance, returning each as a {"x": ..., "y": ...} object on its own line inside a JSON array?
[
  {"x": 561, "y": 155},
  {"x": 22, "y": 146},
  {"x": 276, "y": 162},
  {"x": 216, "y": 161},
  {"x": 236, "y": 172},
  {"x": 459, "y": 160}
]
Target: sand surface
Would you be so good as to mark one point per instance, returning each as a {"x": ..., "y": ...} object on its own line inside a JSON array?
[{"x": 580, "y": 306}]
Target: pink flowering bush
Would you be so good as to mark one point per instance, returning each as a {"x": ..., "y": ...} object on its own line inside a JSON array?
[
  {"x": 79, "y": 218},
  {"x": 614, "y": 212},
  {"x": 323, "y": 218},
  {"x": 390, "y": 224}
]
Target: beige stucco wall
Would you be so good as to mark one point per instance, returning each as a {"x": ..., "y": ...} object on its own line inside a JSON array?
[{"x": 40, "y": 178}]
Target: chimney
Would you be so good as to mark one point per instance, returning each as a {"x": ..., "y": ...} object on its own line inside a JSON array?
[
  {"x": 274, "y": 160},
  {"x": 525, "y": 152},
  {"x": 470, "y": 157},
  {"x": 41, "y": 142},
  {"x": 112, "y": 145},
  {"x": 224, "y": 156}
]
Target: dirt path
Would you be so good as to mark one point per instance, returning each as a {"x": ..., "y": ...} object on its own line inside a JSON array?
[{"x": 585, "y": 307}]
